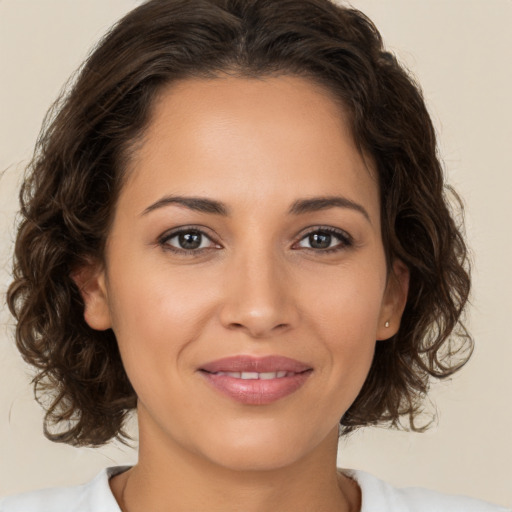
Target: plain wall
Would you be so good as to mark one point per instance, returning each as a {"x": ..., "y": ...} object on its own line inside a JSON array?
[{"x": 460, "y": 51}]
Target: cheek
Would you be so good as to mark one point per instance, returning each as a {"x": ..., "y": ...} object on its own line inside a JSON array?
[
  {"x": 347, "y": 302},
  {"x": 155, "y": 316},
  {"x": 344, "y": 316}
]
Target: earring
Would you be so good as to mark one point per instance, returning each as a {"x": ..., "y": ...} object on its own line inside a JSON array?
[{"x": 386, "y": 324}]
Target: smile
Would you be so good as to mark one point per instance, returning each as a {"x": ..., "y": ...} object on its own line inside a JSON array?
[
  {"x": 256, "y": 381},
  {"x": 256, "y": 375}
]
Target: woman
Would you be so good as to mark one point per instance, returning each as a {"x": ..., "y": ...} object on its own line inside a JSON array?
[{"x": 236, "y": 223}]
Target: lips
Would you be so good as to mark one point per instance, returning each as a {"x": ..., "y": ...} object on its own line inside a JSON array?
[
  {"x": 256, "y": 381},
  {"x": 256, "y": 364}
]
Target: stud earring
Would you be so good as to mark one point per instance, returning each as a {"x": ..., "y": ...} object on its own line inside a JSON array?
[{"x": 386, "y": 324}]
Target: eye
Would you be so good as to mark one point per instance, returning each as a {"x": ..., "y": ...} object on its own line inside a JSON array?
[
  {"x": 187, "y": 241},
  {"x": 326, "y": 240}
]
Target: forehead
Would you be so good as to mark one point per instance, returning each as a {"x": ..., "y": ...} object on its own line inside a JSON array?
[
  {"x": 237, "y": 137},
  {"x": 252, "y": 106}
]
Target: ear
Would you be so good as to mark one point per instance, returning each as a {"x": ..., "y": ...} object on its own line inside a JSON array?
[
  {"x": 394, "y": 300},
  {"x": 91, "y": 282}
]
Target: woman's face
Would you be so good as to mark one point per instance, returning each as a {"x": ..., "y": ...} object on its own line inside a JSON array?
[{"x": 246, "y": 281}]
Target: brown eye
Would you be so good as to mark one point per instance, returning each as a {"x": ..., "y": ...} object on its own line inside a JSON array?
[
  {"x": 326, "y": 240},
  {"x": 320, "y": 240},
  {"x": 190, "y": 240},
  {"x": 187, "y": 241}
]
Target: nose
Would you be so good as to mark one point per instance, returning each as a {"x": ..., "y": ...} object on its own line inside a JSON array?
[{"x": 259, "y": 297}]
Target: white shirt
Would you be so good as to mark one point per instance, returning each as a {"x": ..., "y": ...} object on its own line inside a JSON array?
[{"x": 377, "y": 496}]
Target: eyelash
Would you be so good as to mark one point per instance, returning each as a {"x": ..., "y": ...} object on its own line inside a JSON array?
[
  {"x": 163, "y": 241},
  {"x": 346, "y": 241},
  {"x": 344, "y": 238}
]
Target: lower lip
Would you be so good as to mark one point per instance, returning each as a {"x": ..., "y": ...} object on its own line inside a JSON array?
[{"x": 256, "y": 391}]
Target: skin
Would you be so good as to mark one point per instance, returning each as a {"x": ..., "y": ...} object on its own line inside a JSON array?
[{"x": 257, "y": 287}]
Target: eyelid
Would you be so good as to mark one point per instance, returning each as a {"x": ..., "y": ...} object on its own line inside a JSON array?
[
  {"x": 346, "y": 240},
  {"x": 171, "y": 233}
]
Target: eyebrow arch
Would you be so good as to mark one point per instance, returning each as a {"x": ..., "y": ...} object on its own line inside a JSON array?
[
  {"x": 316, "y": 204},
  {"x": 299, "y": 207},
  {"x": 198, "y": 204}
]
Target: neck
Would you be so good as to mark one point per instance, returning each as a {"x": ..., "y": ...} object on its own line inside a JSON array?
[{"x": 170, "y": 478}]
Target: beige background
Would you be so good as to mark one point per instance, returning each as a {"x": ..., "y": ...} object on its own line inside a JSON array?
[{"x": 460, "y": 50}]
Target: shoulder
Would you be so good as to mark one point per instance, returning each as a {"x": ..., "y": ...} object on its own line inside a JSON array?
[
  {"x": 379, "y": 495},
  {"x": 94, "y": 496}
]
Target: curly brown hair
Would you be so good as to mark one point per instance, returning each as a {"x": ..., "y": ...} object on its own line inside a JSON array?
[{"x": 72, "y": 184}]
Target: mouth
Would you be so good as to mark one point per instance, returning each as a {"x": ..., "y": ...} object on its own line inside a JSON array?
[
  {"x": 256, "y": 381},
  {"x": 256, "y": 375}
]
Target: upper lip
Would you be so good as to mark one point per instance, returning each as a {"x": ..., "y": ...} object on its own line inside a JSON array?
[{"x": 245, "y": 363}]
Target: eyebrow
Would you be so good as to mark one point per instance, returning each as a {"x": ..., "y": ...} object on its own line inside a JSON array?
[
  {"x": 316, "y": 204},
  {"x": 299, "y": 207},
  {"x": 198, "y": 204}
]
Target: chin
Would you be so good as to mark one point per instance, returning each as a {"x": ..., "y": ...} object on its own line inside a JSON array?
[
  {"x": 247, "y": 459},
  {"x": 263, "y": 449}
]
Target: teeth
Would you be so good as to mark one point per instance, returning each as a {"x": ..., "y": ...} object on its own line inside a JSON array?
[
  {"x": 249, "y": 375},
  {"x": 256, "y": 375}
]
